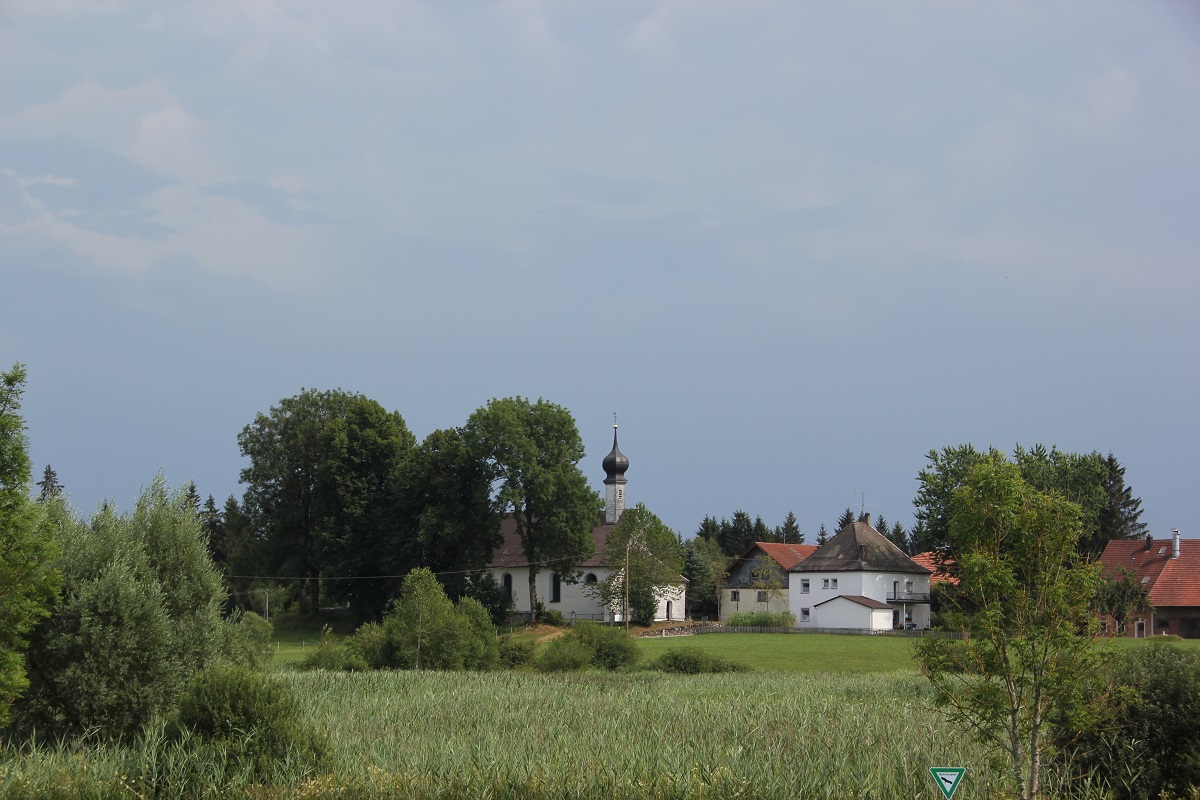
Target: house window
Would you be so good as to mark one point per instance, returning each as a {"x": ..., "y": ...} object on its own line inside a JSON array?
[
  {"x": 733, "y": 595},
  {"x": 825, "y": 583},
  {"x": 762, "y": 597},
  {"x": 804, "y": 615},
  {"x": 834, "y": 584},
  {"x": 804, "y": 586},
  {"x": 555, "y": 588},
  {"x": 591, "y": 578},
  {"x": 908, "y": 587}
]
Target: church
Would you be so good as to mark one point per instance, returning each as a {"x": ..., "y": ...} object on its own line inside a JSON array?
[{"x": 559, "y": 592}]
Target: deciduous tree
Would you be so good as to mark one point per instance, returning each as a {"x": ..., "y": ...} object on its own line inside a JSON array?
[
  {"x": 1024, "y": 605},
  {"x": 652, "y": 552},
  {"x": 532, "y": 452},
  {"x": 28, "y": 582}
]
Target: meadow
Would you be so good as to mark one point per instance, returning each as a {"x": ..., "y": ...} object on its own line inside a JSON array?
[{"x": 820, "y": 717}]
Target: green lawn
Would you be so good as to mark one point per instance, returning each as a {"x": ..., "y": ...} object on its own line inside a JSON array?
[{"x": 797, "y": 652}]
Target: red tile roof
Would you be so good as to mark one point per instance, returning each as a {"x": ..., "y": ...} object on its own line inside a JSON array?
[
  {"x": 787, "y": 555},
  {"x": 929, "y": 560},
  {"x": 1173, "y": 582}
]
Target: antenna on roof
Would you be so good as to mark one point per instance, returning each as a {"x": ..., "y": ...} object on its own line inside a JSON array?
[{"x": 862, "y": 507}]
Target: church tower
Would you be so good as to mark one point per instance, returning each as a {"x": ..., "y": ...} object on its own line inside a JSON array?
[{"x": 615, "y": 464}]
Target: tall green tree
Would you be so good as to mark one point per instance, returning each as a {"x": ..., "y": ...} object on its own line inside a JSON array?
[
  {"x": 822, "y": 535},
  {"x": 704, "y": 567},
  {"x": 789, "y": 532},
  {"x": 761, "y": 532},
  {"x": 899, "y": 537},
  {"x": 320, "y": 488},
  {"x": 845, "y": 519},
  {"x": 709, "y": 528},
  {"x": 655, "y": 561},
  {"x": 446, "y": 504},
  {"x": 28, "y": 581},
  {"x": 736, "y": 534},
  {"x": 1024, "y": 603},
  {"x": 532, "y": 452},
  {"x": 1121, "y": 516},
  {"x": 1123, "y": 595}
]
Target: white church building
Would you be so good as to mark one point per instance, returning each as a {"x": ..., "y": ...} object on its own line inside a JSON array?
[{"x": 557, "y": 592}]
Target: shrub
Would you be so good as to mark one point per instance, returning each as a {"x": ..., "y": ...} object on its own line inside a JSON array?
[
  {"x": 515, "y": 652},
  {"x": 250, "y": 641},
  {"x": 763, "y": 619},
  {"x": 247, "y": 718},
  {"x": 1147, "y": 740},
  {"x": 563, "y": 654},
  {"x": 479, "y": 646},
  {"x": 333, "y": 655},
  {"x": 694, "y": 661},
  {"x": 550, "y": 616},
  {"x": 140, "y": 611},
  {"x": 612, "y": 647},
  {"x": 370, "y": 645}
]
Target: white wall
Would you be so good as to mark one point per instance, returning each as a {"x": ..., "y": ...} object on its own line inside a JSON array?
[
  {"x": 574, "y": 599},
  {"x": 777, "y": 602}
]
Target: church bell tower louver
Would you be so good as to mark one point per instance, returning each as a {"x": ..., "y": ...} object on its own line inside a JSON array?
[{"x": 615, "y": 464}]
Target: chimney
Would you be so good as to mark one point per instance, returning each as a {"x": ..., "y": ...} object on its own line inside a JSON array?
[
  {"x": 1149, "y": 542},
  {"x": 862, "y": 553},
  {"x": 1174, "y": 542},
  {"x": 867, "y": 518}
]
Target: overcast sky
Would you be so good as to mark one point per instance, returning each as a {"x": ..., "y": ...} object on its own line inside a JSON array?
[{"x": 794, "y": 246}]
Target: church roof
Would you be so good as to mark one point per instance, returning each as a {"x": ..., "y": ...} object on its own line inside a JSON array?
[
  {"x": 615, "y": 463},
  {"x": 859, "y": 547},
  {"x": 510, "y": 554}
]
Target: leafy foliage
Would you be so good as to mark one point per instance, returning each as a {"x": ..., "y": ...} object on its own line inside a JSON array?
[
  {"x": 320, "y": 487},
  {"x": 588, "y": 644},
  {"x": 140, "y": 611},
  {"x": 28, "y": 582},
  {"x": 1123, "y": 594},
  {"x": 763, "y": 619},
  {"x": 655, "y": 559},
  {"x": 1024, "y": 605},
  {"x": 694, "y": 661},
  {"x": 248, "y": 718},
  {"x": 1147, "y": 743},
  {"x": 531, "y": 452}
]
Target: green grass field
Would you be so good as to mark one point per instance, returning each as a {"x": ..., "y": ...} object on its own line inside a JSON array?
[{"x": 796, "y": 652}]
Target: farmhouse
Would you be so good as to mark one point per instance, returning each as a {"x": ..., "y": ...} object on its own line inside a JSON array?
[
  {"x": 859, "y": 579},
  {"x": 1170, "y": 571},
  {"x": 759, "y": 580},
  {"x": 567, "y": 593}
]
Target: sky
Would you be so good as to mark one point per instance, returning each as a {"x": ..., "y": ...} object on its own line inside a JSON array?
[{"x": 792, "y": 246}]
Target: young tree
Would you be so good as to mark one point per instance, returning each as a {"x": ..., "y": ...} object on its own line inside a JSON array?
[
  {"x": 140, "y": 611},
  {"x": 319, "y": 489},
  {"x": 1122, "y": 595},
  {"x": 789, "y": 532},
  {"x": 1024, "y": 605},
  {"x": 426, "y": 631},
  {"x": 946, "y": 472},
  {"x": 532, "y": 452},
  {"x": 822, "y": 535},
  {"x": 651, "y": 551},
  {"x": 28, "y": 582}
]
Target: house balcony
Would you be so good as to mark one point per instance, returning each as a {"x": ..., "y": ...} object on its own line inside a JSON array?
[{"x": 908, "y": 597}]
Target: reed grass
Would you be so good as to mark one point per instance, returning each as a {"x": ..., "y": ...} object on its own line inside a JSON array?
[{"x": 523, "y": 735}]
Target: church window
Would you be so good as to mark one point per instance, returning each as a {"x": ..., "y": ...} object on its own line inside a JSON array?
[
  {"x": 591, "y": 578},
  {"x": 555, "y": 588}
]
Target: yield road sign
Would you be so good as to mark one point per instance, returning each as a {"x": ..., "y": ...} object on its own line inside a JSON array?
[{"x": 947, "y": 779}]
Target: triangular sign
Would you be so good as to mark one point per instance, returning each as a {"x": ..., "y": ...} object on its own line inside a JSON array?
[{"x": 947, "y": 779}]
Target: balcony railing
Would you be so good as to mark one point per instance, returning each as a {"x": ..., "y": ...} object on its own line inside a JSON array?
[{"x": 908, "y": 597}]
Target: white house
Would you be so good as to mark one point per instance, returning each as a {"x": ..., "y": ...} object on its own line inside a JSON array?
[
  {"x": 859, "y": 579},
  {"x": 511, "y": 569}
]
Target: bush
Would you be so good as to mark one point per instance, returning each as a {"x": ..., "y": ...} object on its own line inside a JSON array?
[
  {"x": 612, "y": 647},
  {"x": 140, "y": 612},
  {"x": 515, "y": 652},
  {"x": 1146, "y": 739},
  {"x": 589, "y": 644},
  {"x": 333, "y": 655},
  {"x": 763, "y": 619},
  {"x": 551, "y": 616},
  {"x": 694, "y": 661},
  {"x": 370, "y": 646},
  {"x": 250, "y": 641},
  {"x": 249, "y": 719},
  {"x": 564, "y": 654}
]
